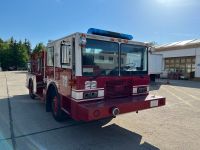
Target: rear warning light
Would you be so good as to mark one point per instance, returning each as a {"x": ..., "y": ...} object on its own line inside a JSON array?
[
  {"x": 112, "y": 39},
  {"x": 82, "y": 41},
  {"x": 83, "y": 35},
  {"x": 126, "y": 41}
]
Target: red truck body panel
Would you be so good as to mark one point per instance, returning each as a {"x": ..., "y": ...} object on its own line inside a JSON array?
[{"x": 102, "y": 109}]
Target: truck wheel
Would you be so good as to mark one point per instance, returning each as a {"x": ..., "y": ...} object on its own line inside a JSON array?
[
  {"x": 56, "y": 108},
  {"x": 153, "y": 77},
  {"x": 31, "y": 94}
]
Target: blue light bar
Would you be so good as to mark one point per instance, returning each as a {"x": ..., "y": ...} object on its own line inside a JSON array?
[{"x": 109, "y": 34}]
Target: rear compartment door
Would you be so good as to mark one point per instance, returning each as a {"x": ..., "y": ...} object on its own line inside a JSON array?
[{"x": 66, "y": 61}]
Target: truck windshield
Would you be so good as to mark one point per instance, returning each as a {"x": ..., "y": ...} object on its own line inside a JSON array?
[
  {"x": 100, "y": 58},
  {"x": 133, "y": 60}
]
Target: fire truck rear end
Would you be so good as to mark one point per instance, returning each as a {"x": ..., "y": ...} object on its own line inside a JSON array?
[{"x": 92, "y": 76}]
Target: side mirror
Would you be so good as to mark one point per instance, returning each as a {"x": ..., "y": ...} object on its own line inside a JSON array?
[{"x": 150, "y": 50}]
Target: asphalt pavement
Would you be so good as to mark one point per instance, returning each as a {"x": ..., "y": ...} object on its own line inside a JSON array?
[{"x": 24, "y": 124}]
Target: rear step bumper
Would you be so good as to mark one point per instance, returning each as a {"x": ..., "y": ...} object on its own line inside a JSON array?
[{"x": 108, "y": 108}]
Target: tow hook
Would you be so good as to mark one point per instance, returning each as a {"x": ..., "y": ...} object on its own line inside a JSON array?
[{"x": 115, "y": 111}]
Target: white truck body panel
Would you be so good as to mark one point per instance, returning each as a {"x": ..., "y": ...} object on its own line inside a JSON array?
[{"x": 155, "y": 63}]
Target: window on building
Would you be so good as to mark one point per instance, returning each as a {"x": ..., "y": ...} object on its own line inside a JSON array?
[
  {"x": 171, "y": 60},
  {"x": 166, "y": 61},
  {"x": 188, "y": 60},
  {"x": 188, "y": 68},
  {"x": 110, "y": 59},
  {"x": 183, "y": 65},
  {"x": 177, "y": 60},
  {"x": 193, "y": 60},
  {"x": 193, "y": 67},
  {"x": 101, "y": 58},
  {"x": 166, "y": 66},
  {"x": 182, "y": 60}
]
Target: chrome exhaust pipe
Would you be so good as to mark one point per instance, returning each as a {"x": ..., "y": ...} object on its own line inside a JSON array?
[{"x": 115, "y": 111}]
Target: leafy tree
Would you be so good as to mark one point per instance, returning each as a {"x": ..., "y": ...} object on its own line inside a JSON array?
[
  {"x": 14, "y": 53},
  {"x": 28, "y": 45},
  {"x": 1, "y": 41},
  {"x": 39, "y": 47}
]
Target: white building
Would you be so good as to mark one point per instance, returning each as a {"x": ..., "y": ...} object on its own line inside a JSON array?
[{"x": 181, "y": 57}]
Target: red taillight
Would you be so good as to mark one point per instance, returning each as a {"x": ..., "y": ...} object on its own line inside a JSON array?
[
  {"x": 112, "y": 39},
  {"x": 83, "y": 40},
  {"x": 126, "y": 41},
  {"x": 119, "y": 40}
]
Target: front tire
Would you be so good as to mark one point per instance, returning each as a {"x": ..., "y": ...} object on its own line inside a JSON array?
[{"x": 56, "y": 107}]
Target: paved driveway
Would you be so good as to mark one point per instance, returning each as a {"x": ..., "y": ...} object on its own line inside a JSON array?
[{"x": 25, "y": 125}]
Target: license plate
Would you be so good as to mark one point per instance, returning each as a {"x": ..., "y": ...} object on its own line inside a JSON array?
[{"x": 154, "y": 103}]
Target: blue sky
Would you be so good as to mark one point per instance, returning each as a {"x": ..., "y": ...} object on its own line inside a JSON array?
[{"x": 162, "y": 21}]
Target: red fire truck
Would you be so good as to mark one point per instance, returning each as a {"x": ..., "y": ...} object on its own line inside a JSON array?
[{"x": 92, "y": 76}]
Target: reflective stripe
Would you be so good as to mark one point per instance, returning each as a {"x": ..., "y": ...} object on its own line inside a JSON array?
[
  {"x": 100, "y": 93},
  {"x": 87, "y": 90},
  {"x": 147, "y": 88},
  {"x": 77, "y": 95},
  {"x": 134, "y": 90}
]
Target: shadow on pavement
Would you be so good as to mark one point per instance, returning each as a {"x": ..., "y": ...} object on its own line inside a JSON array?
[
  {"x": 36, "y": 129},
  {"x": 180, "y": 83},
  {"x": 154, "y": 86},
  {"x": 20, "y": 72},
  {"x": 185, "y": 83},
  {"x": 84, "y": 137}
]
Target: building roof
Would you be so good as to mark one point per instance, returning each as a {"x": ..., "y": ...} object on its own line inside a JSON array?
[{"x": 179, "y": 45}]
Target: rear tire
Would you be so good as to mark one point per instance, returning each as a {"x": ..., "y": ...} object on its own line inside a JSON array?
[
  {"x": 31, "y": 94},
  {"x": 56, "y": 107}
]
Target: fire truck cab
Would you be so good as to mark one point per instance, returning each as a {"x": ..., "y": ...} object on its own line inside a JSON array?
[{"x": 92, "y": 76}]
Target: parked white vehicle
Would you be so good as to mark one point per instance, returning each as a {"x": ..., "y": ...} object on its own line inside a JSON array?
[
  {"x": 155, "y": 65},
  {"x": 164, "y": 74}
]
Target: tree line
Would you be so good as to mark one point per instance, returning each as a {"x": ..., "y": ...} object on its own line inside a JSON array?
[{"x": 14, "y": 54}]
